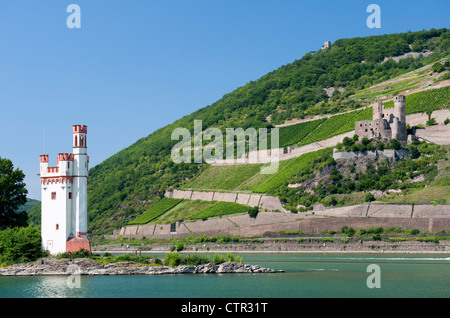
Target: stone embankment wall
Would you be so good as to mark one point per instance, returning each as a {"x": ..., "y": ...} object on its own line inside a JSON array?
[
  {"x": 389, "y": 153},
  {"x": 425, "y": 218},
  {"x": 439, "y": 134},
  {"x": 265, "y": 202}
]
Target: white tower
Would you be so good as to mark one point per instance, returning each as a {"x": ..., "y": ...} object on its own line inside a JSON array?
[{"x": 64, "y": 198}]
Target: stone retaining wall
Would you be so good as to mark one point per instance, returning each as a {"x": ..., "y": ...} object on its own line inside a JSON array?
[
  {"x": 425, "y": 218},
  {"x": 265, "y": 202},
  {"x": 389, "y": 153}
]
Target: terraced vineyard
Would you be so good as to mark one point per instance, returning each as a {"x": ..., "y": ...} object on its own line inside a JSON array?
[
  {"x": 321, "y": 129},
  {"x": 182, "y": 211},
  {"x": 220, "y": 209},
  {"x": 223, "y": 177},
  {"x": 170, "y": 210},
  {"x": 425, "y": 101},
  {"x": 291, "y": 167},
  {"x": 253, "y": 181},
  {"x": 419, "y": 78},
  {"x": 290, "y": 135},
  {"x": 155, "y": 210}
]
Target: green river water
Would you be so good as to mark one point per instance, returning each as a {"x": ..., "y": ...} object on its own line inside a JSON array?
[{"x": 304, "y": 276}]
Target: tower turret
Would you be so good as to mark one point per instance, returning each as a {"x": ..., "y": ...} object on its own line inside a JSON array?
[
  {"x": 377, "y": 111},
  {"x": 399, "y": 108},
  {"x": 80, "y": 176},
  {"x": 400, "y": 113}
]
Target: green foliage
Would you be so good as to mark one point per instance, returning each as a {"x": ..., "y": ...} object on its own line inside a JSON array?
[
  {"x": 431, "y": 122},
  {"x": 156, "y": 210},
  {"x": 194, "y": 260},
  {"x": 414, "y": 153},
  {"x": 218, "y": 259},
  {"x": 253, "y": 212},
  {"x": 173, "y": 259},
  {"x": 220, "y": 209},
  {"x": 376, "y": 237},
  {"x": 438, "y": 67},
  {"x": 180, "y": 247},
  {"x": 369, "y": 197},
  {"x": 13, "y": 195},
  {"x": 20, "y": 245},
  {"x": 349, "y": 231},
  {"x": 82, "y": 253}
]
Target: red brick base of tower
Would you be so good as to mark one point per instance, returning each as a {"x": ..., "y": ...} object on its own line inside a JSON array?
[{"x": 74, "y": 244}]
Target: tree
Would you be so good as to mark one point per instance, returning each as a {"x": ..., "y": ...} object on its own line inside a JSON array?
[
  {"x": 253, "y": 212},
  {"x": 12, "y": 195},
  {"x": 369, "y": 197},
  {"x": 414, "y": 152},
  {"x": 20, "y": 245},
  {"x": 395, "y": 144},
  {"x": 438, "y": 67}
]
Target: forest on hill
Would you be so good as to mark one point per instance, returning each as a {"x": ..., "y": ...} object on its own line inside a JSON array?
[{"x": 124, "y": 185}]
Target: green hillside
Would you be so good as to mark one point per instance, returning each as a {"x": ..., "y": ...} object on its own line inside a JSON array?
[{"x": 123, "y": 186}]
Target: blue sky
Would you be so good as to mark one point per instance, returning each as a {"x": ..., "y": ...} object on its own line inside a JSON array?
[{"x": 135, "y": 66}]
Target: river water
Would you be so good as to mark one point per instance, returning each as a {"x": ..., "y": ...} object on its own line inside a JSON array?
[{"x": 304, "y": 276}]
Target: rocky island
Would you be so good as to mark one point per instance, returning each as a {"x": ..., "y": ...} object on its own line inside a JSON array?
[{"x": 86, "y": 266}]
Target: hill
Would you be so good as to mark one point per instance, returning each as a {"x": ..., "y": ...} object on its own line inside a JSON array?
[{"x": 328, "y": 81}]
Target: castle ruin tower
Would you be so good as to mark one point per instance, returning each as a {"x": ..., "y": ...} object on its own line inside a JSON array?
[
  {"x": 400, "y": 113},
  {"x": 64, "y": 198},
  {"x": 377, "y": 111}
]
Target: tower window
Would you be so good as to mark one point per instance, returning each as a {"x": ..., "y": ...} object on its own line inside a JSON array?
[
  {"x": 70, "y": 195},
  {"x": 57, "y": 226},
  {"x": 53, "y": 195}
]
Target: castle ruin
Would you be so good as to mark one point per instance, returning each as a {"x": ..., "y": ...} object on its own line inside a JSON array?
[{"x": 386, "y": 124}]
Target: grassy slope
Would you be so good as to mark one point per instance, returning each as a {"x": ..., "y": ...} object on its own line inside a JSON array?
[{"x": 232, "y": 176}]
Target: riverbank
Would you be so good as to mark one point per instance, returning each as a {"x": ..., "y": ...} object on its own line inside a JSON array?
[
  {"x": 86, "y": 266},
  {"x": 287, "y": 245}
]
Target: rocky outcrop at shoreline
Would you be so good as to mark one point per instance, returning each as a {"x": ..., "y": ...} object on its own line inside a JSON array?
[{"x": 85, "y": 266}]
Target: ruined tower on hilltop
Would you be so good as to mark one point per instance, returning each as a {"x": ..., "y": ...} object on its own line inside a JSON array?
[
  {"x": 64, "y": 198},
  {"x": 386, "y": 124}
]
